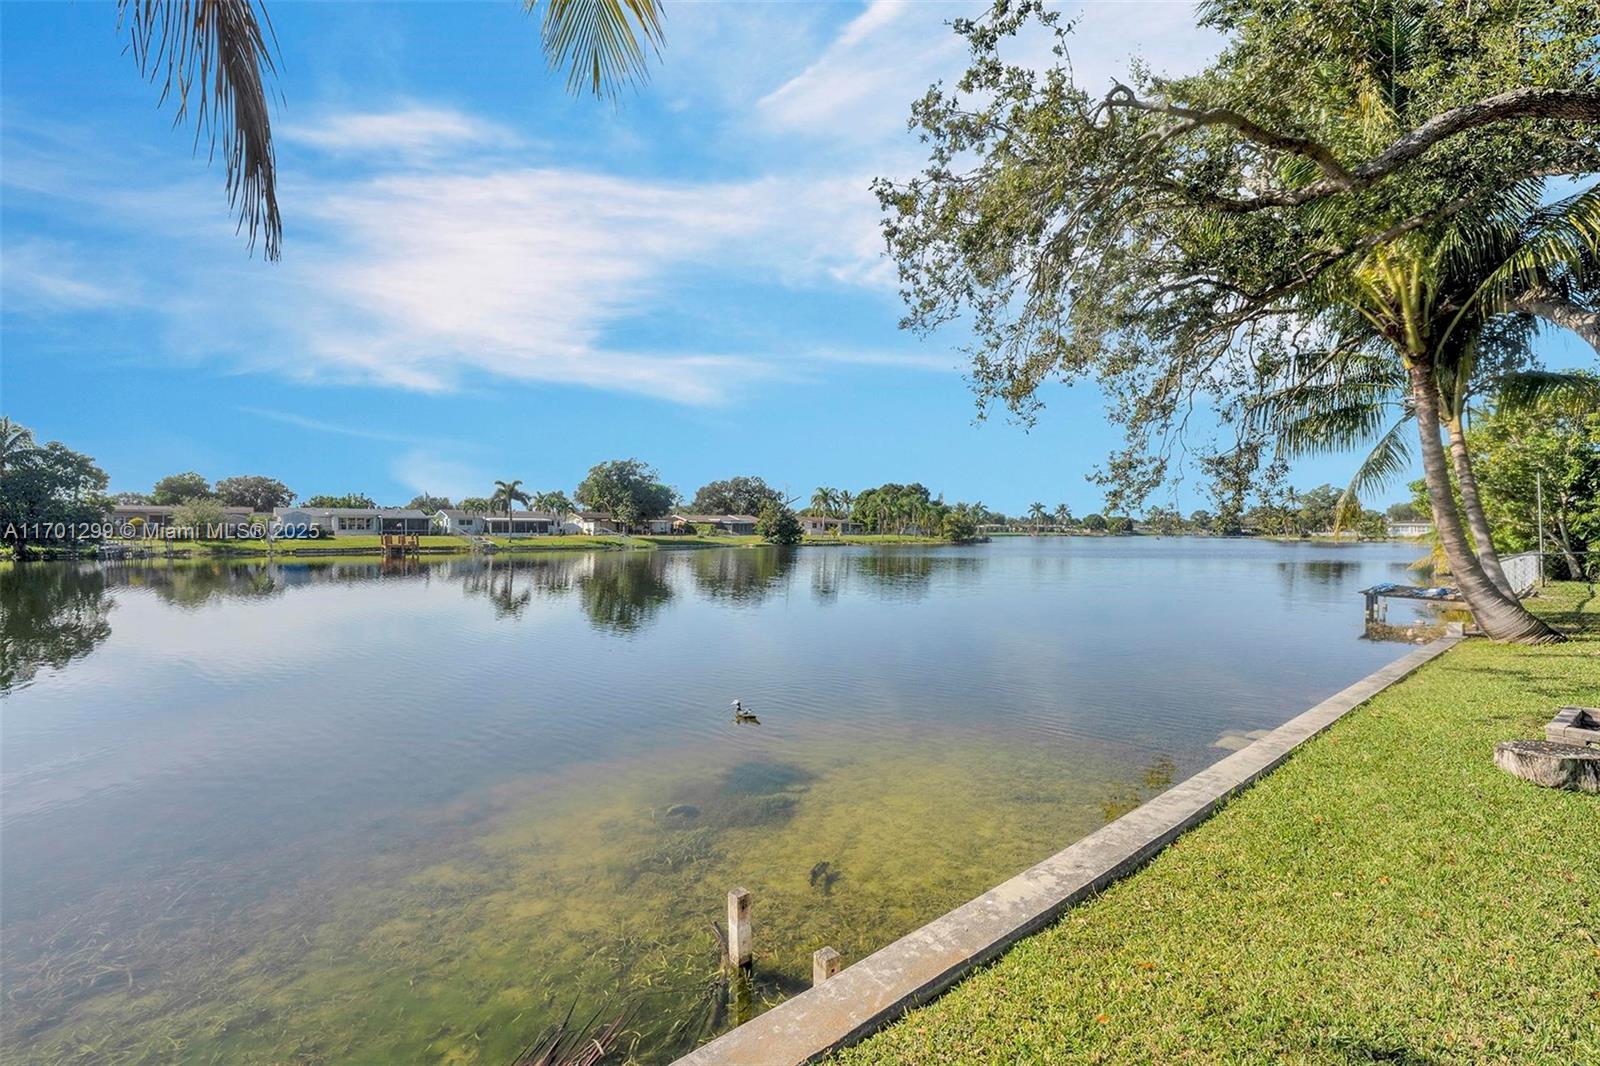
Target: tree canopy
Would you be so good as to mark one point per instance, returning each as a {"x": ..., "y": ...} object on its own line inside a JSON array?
[
  {"x": 628, "y": 489},
  {"x": 176, "y": 488},
  {"x": 354, "y": 500},
  {"x": 1183, "y": 240},
  {"x": 260, "y": 494},
  {"x": 736, "y": 495},
  {"x": 47, "y": 490}
]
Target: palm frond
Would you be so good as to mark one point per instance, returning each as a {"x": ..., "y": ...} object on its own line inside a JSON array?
[
  {"x": 1388, "y": 459},
  {"x": 217, "y": 55},
  {"x": 1562, "y": 236},
  {"x": 1523, "y": 389},
  {"x": 601, "y": 43}
]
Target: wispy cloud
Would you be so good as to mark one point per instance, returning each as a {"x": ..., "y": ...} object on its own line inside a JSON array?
[
  {"x": 47, "y": 275},
  {"x": 415, "y": 131},
  {"x": 425, "y": 471},
  {"x": 432, "y": 254},
  {"x": 862, "y": 85},
  {"x": 317, "y": 425}
]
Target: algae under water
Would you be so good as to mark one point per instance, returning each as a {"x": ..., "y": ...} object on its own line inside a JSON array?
[{"x": 335, "y": 812}]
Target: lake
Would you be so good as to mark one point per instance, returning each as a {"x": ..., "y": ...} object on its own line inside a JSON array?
[{"x": 356, "y": 812}]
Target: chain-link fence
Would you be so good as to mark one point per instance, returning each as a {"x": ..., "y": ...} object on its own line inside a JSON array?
[{"x": 1561, "y": 586}]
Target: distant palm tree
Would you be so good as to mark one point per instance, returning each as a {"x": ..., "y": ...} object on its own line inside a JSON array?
[
  {"x": 15, "y": 441},
  {"x": 825, "y": 501},
  {"x": 1063, "y": 516},
  {"x": 847, "y": 502},
  {"x": 221, "y": 52},
  {"x": 1037, "y": 512},
  {"x": 507, "y": 493}
]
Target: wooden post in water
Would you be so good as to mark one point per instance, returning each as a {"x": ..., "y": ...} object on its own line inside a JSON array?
[
  {"x": 824, "y": 964},
  {"x": 740, "y": 954}
]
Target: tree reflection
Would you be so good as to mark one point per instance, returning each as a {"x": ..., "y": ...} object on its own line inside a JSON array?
[
  {"x": 744, "y": 575},
  {"x": 192, "y": 584},
  {"x": 622, "y": 593},
  {"x": 50, "y": 614}
]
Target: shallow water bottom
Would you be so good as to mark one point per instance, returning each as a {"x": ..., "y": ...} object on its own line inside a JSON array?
[{"x": 478, "y": 924}]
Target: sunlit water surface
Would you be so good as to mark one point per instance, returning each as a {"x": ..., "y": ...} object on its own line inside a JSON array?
[{"x": 344, "y": 812}]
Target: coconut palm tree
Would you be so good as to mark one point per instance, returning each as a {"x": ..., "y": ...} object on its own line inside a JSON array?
[
  {"x": 218, "y": 56},
  {"x": 1408, "y": 291},
  {"x": 1063, "y": 516},
  {"x": 1464, "y": 307},
  {"x": 1037, "y": 512},
  {"x": 507, "y": 493},
  {"x": 825, "y": 501},
  {"x": 16, "y": 441}
]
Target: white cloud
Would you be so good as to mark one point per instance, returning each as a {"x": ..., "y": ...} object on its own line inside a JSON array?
[
  {"x": 48, "y": 275},
  {"x": 317, "y": 425},
  {"x": 862, "y": 86},
  {"x": 436, "y": 256},
  {"x": 415, "y": 131},
  {"x": 425, "y": 471}
]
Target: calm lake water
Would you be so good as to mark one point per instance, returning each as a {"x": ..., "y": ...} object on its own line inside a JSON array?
[{"x": 347, "y": 812}]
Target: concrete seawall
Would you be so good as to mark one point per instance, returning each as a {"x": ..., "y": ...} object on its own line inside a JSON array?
[{"x": 864, "y": 997}]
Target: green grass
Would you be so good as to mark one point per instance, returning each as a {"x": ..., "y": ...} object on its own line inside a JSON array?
[{"x": 1386, "y": 896}]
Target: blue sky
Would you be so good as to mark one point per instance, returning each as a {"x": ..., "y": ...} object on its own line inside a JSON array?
[{"x": 486, "y": 277}]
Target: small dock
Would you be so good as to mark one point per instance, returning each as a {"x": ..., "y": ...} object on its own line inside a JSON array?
[
  {"x": 399, "y": 545},
  {"x": 1377, "y": 598}
]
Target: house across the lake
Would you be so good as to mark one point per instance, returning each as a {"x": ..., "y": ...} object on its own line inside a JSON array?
[
  {"x": 594, "y": 523},
  {"x": 154, "y": 516},
  {"x": 349, "y": 521},
  {"x": 818, "y": 526},
  {"x": 516, "y": 524},
  {"x": 740, "y": 524},
  {"x": 1410, "y": 529}
]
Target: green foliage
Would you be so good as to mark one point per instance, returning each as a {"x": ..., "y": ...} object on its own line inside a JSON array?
[
  {"x": 350, "y": 500},
  {"x": 430, "y": 504},
  {"x": 199, "y": 518},
  {"x": 554, "y": 502},
  {"x": 958, "y": 527},
  {"x": 1405, "y": 511},
  {"x": 1201, "y": 238},
  {"x": 176, "y": 488},
  {"x": 627, "y": 489},
  {"x": 1555, "y": 442},
  {"x": 46, "y": 489},
  {"x": 258, "y": 493},
  {"x": 738, "y": 495},
  {"x": 506, "y": 495},
  {"x": 777, "y": 524},
  {"x": 476, "y": 505},
  {"x": 1095, "y": 523}
]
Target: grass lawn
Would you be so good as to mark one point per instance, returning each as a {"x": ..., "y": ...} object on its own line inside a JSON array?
[{"x": 1385, "y": 896}]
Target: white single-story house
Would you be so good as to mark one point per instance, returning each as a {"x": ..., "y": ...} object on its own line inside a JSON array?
[
  {"x": 152, "y": 516},
  {"x": 349, "y": 521},
  {"x": 741, "y": 524},
  {"x": 517, "y": 524},
  {"x": 1410, "y": 529},
  {"x": 593, "y": 522},
  {"x": 818, "y": 526}
]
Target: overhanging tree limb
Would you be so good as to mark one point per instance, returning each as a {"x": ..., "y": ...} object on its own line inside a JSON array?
[{"x": 1579, "y": 105}]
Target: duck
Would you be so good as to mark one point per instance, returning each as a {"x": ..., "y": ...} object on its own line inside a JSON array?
[{"x": 742, "y": 715}]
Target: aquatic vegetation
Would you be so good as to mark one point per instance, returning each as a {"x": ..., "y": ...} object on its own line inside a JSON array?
[{"x": 472, "y": 941}]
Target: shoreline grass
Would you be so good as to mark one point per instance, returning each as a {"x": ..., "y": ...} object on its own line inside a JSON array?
[{"x": 1386, "y": 895}]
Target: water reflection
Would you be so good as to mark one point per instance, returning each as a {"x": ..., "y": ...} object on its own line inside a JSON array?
[
  {"x": 369, "y": 811},
  {"x": 624, "y": 593},
  {"x": 50, "y": 614},
  {"x": 745, "y": 577}
]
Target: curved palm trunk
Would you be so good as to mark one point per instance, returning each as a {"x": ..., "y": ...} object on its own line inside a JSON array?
[
  {"x": 1500, "y": 616},
  {"x": 1472, "y": 506}
]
